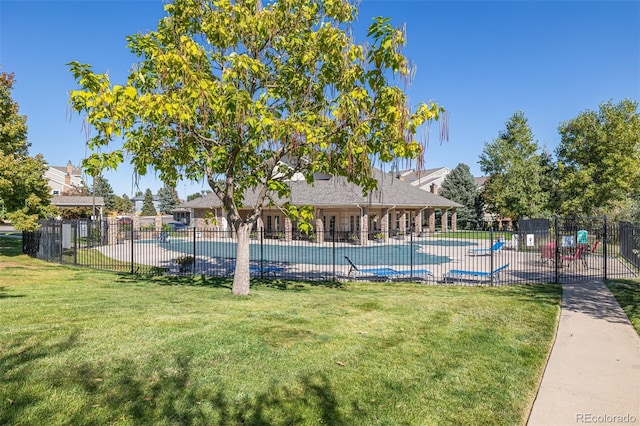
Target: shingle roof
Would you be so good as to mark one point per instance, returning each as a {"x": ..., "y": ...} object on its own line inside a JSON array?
[
  {"x": 76, "y": 201},
  {"x": 337, "y": 192}
]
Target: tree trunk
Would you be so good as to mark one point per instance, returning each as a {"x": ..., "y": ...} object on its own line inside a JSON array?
[{"x": 241, "y": 276}]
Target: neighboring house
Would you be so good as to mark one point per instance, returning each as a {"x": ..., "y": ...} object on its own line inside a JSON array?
[
  {"x": 76, "y": 201},
  {"x": 64, "y": 179},
  {"x": 428, "y": 180},
  {"x": 138, "y": 202},
  {"x": 395, "y": 208}
]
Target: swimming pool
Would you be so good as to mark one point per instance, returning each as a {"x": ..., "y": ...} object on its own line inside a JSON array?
[{"x": 374, "y": 254}]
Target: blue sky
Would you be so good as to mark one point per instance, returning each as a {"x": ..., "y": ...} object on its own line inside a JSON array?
[{"x": 481, "y": 60}]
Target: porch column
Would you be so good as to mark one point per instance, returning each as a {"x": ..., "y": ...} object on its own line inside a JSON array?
[
  {"x": 288, "y": 229},
  {"x": 417, "y": 224},
  {"x": 319, "y": 229},
  {"x": 384, "y": 223},
  {"x": 364, "y": 227},
  {"x": 444, "y": 220},
  {"x": 403, "y": 222},
  {"x": 454, "y": 219},
  {"x": 432, "y": 219}
]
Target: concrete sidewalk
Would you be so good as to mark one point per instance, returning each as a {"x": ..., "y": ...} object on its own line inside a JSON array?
[{"x": 593, "y": 373}]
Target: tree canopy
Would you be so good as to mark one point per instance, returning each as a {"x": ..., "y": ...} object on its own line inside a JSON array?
[
  {"x": 148, "y": 208},
  {"x": 24, "y": 191},
  {"x": 599, "y": 158},
  {"x": 102, "y": 188},
  {"x": 230, "y": 91},
  {"x": 460, "y": 186},
  {"x": 167, "y": 199},
  {"x": 514, "y": 165}
]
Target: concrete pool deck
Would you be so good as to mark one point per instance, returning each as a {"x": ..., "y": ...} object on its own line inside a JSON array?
[{"x": 161, "y": 255}]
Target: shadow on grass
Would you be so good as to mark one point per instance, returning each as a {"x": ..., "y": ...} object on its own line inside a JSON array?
[
  {"x": 549, "y": 294},
  {"x": 159, "y": 390},
  {"x": 292, "y": 285},
  {"x": 183, "y": 280},
  {"x": 10, "y": 246},
  {"x": 5, "y": 295},
  {"x": 227, "y": 283}
]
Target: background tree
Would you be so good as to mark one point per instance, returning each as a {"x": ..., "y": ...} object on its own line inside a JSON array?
[
  {"x": 515, "y": 167},
  {"x": 24, "y": 192},
  {"x": 599, "y": 158},
  {"x": 102, "y": 188},
  {"x": 226, "y": 91},
  {"x": 198, "y": 194},
  {"x": 123, "y": 204},
  {"x": 81, "y": 191},
  {"x": 460, "y": 186},
  {"x": 148, "y": 208},
  {"x": 167, "y": 199}
]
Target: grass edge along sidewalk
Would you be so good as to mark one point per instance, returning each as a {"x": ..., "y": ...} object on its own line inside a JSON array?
[{"x": 85, "y": 347}]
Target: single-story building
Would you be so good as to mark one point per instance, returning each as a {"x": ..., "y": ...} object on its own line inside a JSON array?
[
  {"x": 340, "y": 208},
  {"x": 89, "y": 203}
]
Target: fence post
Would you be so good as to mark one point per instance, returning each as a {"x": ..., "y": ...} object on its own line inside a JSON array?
[
  {"x": 132, "y": 256},
  {"x": 194, "y": 251},
  {"x": 491, "y": 268},
  {"x": 61, "y": 242},
  {"x": 333, "y": 245},
  {"x": 75, "y": 244},
  {"x": 604, "y": 249},
  {"x": 411, "y": 253}
]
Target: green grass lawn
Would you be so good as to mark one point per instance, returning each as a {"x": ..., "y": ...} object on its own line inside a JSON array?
[
  {"x": 84, "y": 347},
  {"x": 627, "y": 293}
]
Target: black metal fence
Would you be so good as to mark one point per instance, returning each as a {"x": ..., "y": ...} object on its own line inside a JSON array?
[{"x": 543, "y": 250}]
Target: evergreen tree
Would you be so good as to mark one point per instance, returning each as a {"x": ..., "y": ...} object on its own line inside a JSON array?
[
  {"x": 515, "y": 171},
  {"x": 167, "y": 199},
  {"x": 24, "y": 192},
  {"x": 102, "y": 188},
  {"x": 459, "y": 186},
  {"x": 123, "y": 204},
  {"x": 148, "y": 209}
]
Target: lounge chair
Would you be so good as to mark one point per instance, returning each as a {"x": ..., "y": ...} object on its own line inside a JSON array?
[
  {"x": 577, "y": 255},
  {"x": 548, "y": 253},
  {"x": 388, "y": 274},
  {"x": 495, "y": 248},
  {"x": 479, "y": 276}
]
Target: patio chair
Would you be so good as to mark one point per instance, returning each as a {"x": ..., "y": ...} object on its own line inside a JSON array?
[
  {"x": 476, "y": 276},
  {"x": 164, "y": 237},
  {"x": 548, "y": 253},
  {"x": 495, "y": 248},
  {"x": 578, "y": 255}
]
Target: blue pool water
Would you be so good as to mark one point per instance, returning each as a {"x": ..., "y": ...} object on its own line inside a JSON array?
[{"x": 374, "y": 254}]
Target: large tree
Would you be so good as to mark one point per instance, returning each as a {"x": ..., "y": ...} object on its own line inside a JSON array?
[
  {"x": 24, "y": 191},
  {"x": 102, "y": 188},
  {"x": 460, "y": 186},
  {"x": 228, "y": 90},
  {"x": 167, "y": 199},
  {"x": 515, "y": 165},
  {"x": 123, "y": 204},
  {"x": 599, "y": 158},
  {"x": 148, "y": 208}
]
